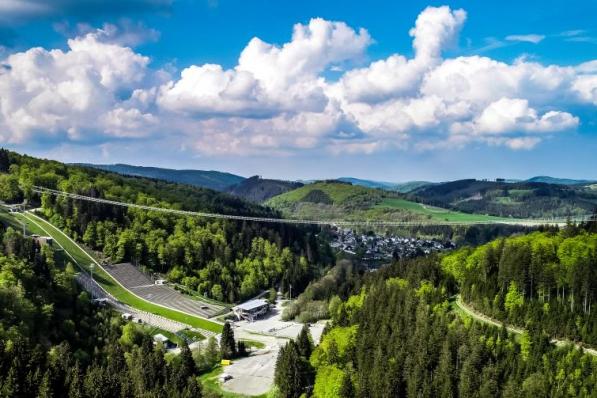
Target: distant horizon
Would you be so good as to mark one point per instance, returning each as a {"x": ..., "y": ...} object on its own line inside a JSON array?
[{"x": 373, "y": 179}]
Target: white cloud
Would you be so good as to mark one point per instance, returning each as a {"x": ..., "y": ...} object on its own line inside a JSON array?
[
  {"x": 268, "y": 79},
  {"x": 59, "y": 94},
  {"x": 279, "y": 99},
  {"x": 436, "y": 28},
  {"x": 530, "y": 38},
  {"x": 514, "y": 115},
  {"x": 522, "y": 143}
]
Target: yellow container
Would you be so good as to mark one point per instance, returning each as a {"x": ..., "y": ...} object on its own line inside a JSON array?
[{"x": 225, "y": 362}]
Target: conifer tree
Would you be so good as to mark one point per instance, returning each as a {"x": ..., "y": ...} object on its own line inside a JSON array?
[
  {"x": 305, "y": 345},
  {"x": 227, "y": 343}
]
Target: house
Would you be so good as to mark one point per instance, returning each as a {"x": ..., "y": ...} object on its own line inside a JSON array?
[
  {"x": 251, "y": 310},
  {"x": 160, "y": 338},
  {"x": 43, "y": 240}
]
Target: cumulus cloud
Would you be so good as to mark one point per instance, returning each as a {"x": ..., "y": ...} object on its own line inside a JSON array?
[
  {"x": 61, "y": 94},
  {"x": 268, "y": 79},
  {"x": 279, "y": 99}
]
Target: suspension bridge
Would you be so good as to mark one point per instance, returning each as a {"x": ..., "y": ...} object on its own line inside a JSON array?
[{"x": 347, "y": 223}]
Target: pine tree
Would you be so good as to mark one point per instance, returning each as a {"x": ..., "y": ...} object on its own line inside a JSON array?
[
  {"x": 211, "y": 351},
  {"x": 188, "y": 368},
  {"x": 305, "y": 346},
  {"x": 347, "y": 388},
  {"x": 75, "y": 382},
  {"x": 227, "y": 343},
  {"x": 293, "y": 373},
  {"x": 45, "y": 388}
]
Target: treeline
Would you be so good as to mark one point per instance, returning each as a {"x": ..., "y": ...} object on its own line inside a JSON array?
[
  {"x": 55, "y": 343},
  {"x": 506, "y": 199},
  {"x": 322, "y": 297},
  {"x": 223, "y": 259},
  {"x": 399, "y": 338},
  {"x": 545, "y": 279}
]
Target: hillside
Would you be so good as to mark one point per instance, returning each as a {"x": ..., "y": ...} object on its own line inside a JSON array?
[
  {"x": 216, "y": 180},
  {"x": 403, "y": 187},
  {"x": 401, "y": 331},
  {"x": 256, "y": 189},
  {"x": 520, "y": 199},
  {"x": 221, "y": 259},
  {"x": 335, "y": 200},
  {"x": 560, "y": 181}
]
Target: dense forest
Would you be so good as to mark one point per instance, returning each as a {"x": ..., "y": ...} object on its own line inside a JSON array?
[
  {"x": 546, "y": 279},
  {"x": 225, "y": 260},
  {"x": 398, "y": 334},
  {"x": 524, "y": 199},
  {"x": 55, "y": 343}
]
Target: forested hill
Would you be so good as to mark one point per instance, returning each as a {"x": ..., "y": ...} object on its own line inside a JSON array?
[
  {"x": 55, "y": 343},
  {"x": 504, "y": 199},
  {"x": 257, "y": 189},
  {"x": 225, "y": 260},
  {"x": 548, "y": 280},
  {"x": 400, "y": 335},
  {"x": 211, "y": 179},
  {"x": 560, "y": 181},
  {"x": 337, "y": 200}
]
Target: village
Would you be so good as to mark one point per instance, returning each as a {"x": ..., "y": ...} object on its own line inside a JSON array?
[{"x": 374, "y": 247}]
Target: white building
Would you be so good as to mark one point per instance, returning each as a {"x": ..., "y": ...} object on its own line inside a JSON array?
[{"x": 251, "y": 310}]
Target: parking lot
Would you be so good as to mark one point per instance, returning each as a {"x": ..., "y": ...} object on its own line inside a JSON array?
[{"x": 254, "y": 375}]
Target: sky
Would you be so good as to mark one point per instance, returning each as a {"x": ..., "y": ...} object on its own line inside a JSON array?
[{"x": 383, "y": 90}]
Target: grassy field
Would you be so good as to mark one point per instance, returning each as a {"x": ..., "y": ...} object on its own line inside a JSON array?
[
  {"x": 351, "y": 202},
  {"x": 85, "y": 260},
  {"x": 435, "y": 213},
  {"x": 253, "y": 344},
  {"x": 339, "y": 193}
]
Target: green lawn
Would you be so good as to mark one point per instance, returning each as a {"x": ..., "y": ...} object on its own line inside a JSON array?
[
  {"x": 253, "y": 344},
  {"x": 435, "y": 213},
  {"x": 84, "y": 260}
]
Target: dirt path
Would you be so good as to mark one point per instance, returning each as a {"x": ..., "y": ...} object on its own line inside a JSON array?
[{"x": 484, "y": 318}]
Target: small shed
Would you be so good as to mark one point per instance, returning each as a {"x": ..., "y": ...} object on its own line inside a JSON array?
[{"x": 160, "y": 338}]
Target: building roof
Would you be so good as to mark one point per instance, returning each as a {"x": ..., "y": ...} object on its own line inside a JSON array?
[
  {"x": 251, "y": 305},
  {"x": 161, "y": 338}
]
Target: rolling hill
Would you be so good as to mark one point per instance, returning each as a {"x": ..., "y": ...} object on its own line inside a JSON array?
[
  {"x": 403, "y": 187},
  {"x": 560, "y": 181},
  {"x": 336, "y": 200},
  {"x": 256, "y": 189},
  {"x": 503, "y": 199},
  {"x": 215, "y": 180}
]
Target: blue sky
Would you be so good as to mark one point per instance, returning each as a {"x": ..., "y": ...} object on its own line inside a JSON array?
[{"x": 475, "y": 89}]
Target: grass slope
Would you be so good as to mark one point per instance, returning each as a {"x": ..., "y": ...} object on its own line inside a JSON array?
[
  {"x": 334, "y": 200},
  {"x": 84, "y": 260}
]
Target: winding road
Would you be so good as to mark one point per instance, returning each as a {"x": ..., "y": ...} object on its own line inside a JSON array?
[{"x": 478, "y": 316}]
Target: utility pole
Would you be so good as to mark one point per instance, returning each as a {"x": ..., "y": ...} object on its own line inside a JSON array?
[{"x": 290, "y": 294}]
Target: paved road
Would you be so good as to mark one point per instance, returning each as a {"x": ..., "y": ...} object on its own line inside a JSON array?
[
  {"x": 484, "y": 318},
  {"x": 254, "y": 375}
]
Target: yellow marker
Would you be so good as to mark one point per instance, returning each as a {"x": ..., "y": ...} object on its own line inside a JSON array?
[{"x": 225, "y": 362}]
